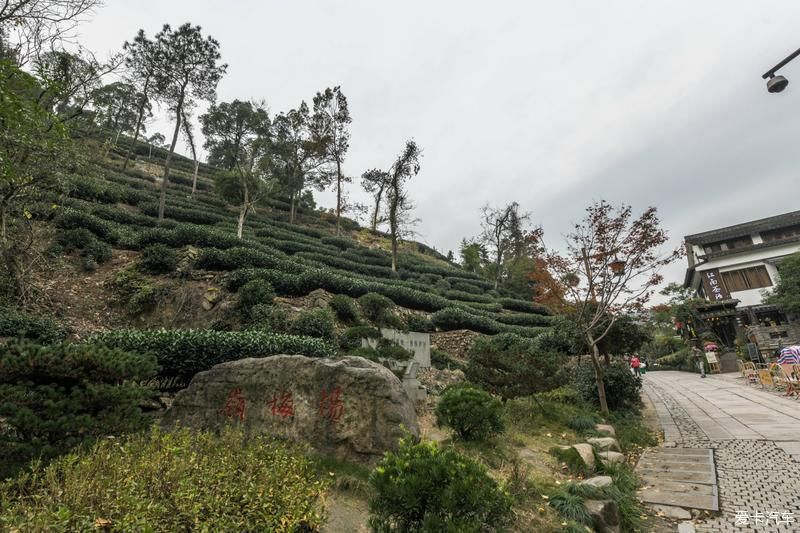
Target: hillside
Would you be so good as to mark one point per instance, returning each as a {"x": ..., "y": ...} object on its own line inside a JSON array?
[{"x": 120, "y": 210}]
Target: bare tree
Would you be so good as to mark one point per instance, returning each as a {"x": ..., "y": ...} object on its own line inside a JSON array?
[
  {"x": 187, "y": 69},
  {"x": 405, "y": 167},
  {"x": 611, "y": 267},
  {"x": 34, "y": 26}
]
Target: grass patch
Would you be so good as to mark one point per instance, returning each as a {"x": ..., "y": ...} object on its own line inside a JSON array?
[{"x": 344, "y": 476}]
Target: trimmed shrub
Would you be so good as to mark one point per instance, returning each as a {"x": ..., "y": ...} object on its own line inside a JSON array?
[
  {"x": 269, "y": 317},
  {"x": 158, "y": 259},
  {"x": 463, "y": 286},
  {"x": 351, "y": 338},
  {"x": 623, "y": 388},
  {"x": 55, "y": 397},
  {"x": 376, "y": 307},
  {"x": 345, "y": 308},
  {"x": 182, "y": 353},
  {"x": 317, "y": 323},
  {"x": 457, "y": 318},
  {"x": 509, "y": 365},
  {"x": 423, "y": 487},
  {"x": 523, "y": 305},
  {"x": 138, "y": 294},
  {"x": 256, "y": 292},
  {"x": 339, "y": 242},
  {"x": 471, "y": 412},
  {"x": 418, "y": 323},
  {"x": 20, "y": 325},
  {"x": 177, "y": 481},
  {"x": 524, "y": 319},
  {"x": 442, "y": 361},
  {"x": 83, "y": 240},
  {"x": 391, "y": 350}
]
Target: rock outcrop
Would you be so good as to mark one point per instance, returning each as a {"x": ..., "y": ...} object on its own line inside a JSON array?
[{"x": 349, "y": 408}]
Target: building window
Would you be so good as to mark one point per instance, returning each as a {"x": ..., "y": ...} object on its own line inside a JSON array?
[
  {"x": 712, "y": 247},
  {"x": 746, "y": 278},
  {"x": 780, "y": 233},
  {"x": 739, "y": 242}
]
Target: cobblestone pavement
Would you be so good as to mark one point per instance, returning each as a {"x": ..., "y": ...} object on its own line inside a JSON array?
[{"x": 756, "y": 440}]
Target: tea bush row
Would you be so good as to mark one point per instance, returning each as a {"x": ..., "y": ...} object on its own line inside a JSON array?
[
  {"x": 183, "y": 353},
  {"x": 21, "y": 325}
]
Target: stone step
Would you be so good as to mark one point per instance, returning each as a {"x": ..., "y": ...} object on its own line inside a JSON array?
[
  {"x": 680, "y": 451},
  {"x": 654, "y": 477},
  {"x": 702, "y": 459},
  {"x": 679, "y": 477},
  {"x": 680, "y": 499},
  {"x": 677, "y": 486},
  {"x": 666, "y": 466}
]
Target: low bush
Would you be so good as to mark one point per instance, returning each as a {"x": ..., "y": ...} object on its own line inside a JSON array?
[
  {"x": 240, "y": 257},
  {"x": 463, "y": 286},
  {"x": 472, "y": 413},
  {"x": 339, "y": 242},
  {"x": 350, "y": 339},
  {"x": 510, "y": 366},
  {"x": 419, "y": 323},
  {"x": 83, "y": 240},
  {"x": 376, "y": 308},
  {"x": 581, "y": 424},
  {"x": 138, "y": 294},
  {"x": 389, "y": 349},
  {"x": 318, "y": 323},
  {"x": 345, "y": 308},
  {"x": 256, "y": 292},
  {"x": 194, "y": 216},
  {"x": 442, "y": 361},
  {"x": 20, "y": 325},
  {"x": 158, "y": 259},
  {"x": 453, "y": 318},
  {"x": 269, "y": 317},
  {"x": 524, "y": 306},
  {"x": 182, "y": 353},
  {"x": 623, "y": 389},
  {"x": 423, "y": 487},
  {"x": 55, "y": 397},
  {"x": 179, "y": 481}
]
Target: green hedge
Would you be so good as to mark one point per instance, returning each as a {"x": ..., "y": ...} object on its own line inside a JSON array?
[
  {"x": 457, "y": 318},
  {"x": 194, "y": 216},
  {"x": 524, "y": 319},
  {"x": 18, "y": 324},
  {"x": 350, "y": 266},
  {"x": 240, "y": 257},
  {"x": 523, "y": 305},
  {"x": 181, "y": 353}
]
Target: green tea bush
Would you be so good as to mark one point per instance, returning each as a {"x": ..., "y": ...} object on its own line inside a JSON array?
[
  {"x": 339, "y": 242},
  {"x": 256, "y": 292},
  {"x": 524, "y": 319},
  {"x": 391, "y": 350},
  {"x": 453, "y": 318},
  {"x": 137, "y": 292},
  {"x": 182, "y": 353},
  {"x": 376, "y": 308},
  {"x": 523, "y": 305},
  {"x": 194, "y": 216},
  {"x": 472, "y": 413},
  {"x": 350, "y": 339},
  {"x": 345, "y": 308},
  {"x": 441, "y": 360},
  {"x": 419, "y": 323},
  {"x": 83, "y": 240},
  {"x": 423, "y": 487},
  {"x": 463, "y": 286},
  {"x": 158, "y": 259},
  {"x": 350, "y": 266},
  {"x": 623, "y": 388},
  {"x": 269, "y": 317},
  {"x": 20, "y": 325},
  {"x": 510, "y": 366},
  {"x": 239, "y": 257},
  {"x": 318, "y": 323},
  {"x": 55, "y": 397},
  {"x": 170, "y": 481}
]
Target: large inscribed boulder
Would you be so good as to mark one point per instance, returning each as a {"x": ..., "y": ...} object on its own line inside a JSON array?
[{"x": 349, "y": 407}]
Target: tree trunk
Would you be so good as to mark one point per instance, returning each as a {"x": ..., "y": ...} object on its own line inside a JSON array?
[
  {"x": 243, "y": 210},
  {"x": 150, "y": 151},
  {"x": 116, "y": 137},
  {"x": 3, "y": 230},
  {"x": 292, "y": 206},
  {"x": 139, "y": 119},
  {"x": 606, "y": 359},
  {"x": 194, "y": 177},
  {"x": 338, "y": 196},
  {"x": 393, "y": 228},
  {"x": 163, "y": 197},
  {"x": 394, "y": 252},
  {"x": 598, "y": 374}
]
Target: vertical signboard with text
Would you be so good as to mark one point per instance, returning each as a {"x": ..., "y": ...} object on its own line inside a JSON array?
[{"x": 714, "y": 287}]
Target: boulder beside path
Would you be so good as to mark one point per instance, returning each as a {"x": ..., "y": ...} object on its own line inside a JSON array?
[{"x": 348, "y": 407}]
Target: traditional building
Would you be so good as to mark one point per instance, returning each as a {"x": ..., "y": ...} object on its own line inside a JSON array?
[{"x": 732, "y": 267}]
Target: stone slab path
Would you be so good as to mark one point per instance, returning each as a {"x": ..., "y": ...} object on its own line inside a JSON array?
[
  {"x": 755, "y": 438},
  {"x": 681, "y": 477}
]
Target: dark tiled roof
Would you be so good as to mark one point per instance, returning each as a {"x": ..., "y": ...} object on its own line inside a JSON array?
[
  {"x": 746, "y": 228},
  {"x": 759, "y": 246}
]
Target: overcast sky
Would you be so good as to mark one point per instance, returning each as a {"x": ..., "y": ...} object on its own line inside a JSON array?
[{"x": 550, "y": 104}]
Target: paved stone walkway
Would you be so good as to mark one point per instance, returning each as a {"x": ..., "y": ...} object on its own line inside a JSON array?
[{"x": 755, "y": 436}]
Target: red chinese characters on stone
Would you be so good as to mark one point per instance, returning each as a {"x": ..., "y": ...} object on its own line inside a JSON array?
[
  {"x": 234, "y": 406},
  {"x": 282, "y": 405},
  {"x": 331, "y": 405}
]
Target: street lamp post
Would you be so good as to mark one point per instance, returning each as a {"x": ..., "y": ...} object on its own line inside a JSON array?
[{"x": 776, "y": 84}]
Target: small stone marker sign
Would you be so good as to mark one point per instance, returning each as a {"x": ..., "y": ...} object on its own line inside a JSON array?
[{"x": 351, "y": 408}]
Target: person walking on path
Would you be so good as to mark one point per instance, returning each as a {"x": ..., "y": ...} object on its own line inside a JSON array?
[
  {"x": 635, "y": 365},
  {"x": 698, "y": 357}
]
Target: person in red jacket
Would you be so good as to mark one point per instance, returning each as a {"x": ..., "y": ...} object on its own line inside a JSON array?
[{"x": 635, "y": 364}]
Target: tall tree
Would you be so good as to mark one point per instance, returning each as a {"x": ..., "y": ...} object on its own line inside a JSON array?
[
  {"x": 188, "y": 133},
  {"x": 141, "y": 62},
  {"x": 238, "y": 140},
  {"x": 187, "y": 70},
  {"x": 786, "y": 293},
  {"x": 155, "y": 139},
  {"x": 375, "y": 182},
  {"x": 116, "y": 109},
  {"x": 473, "y": 255},
  {"x": 612, "y": 264},
  {"x": 331, "y": 126},
  {"x": 297, "y": 154},
  {"x": 405, "y": 167},
  {"x": 502, "y": 231}
]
